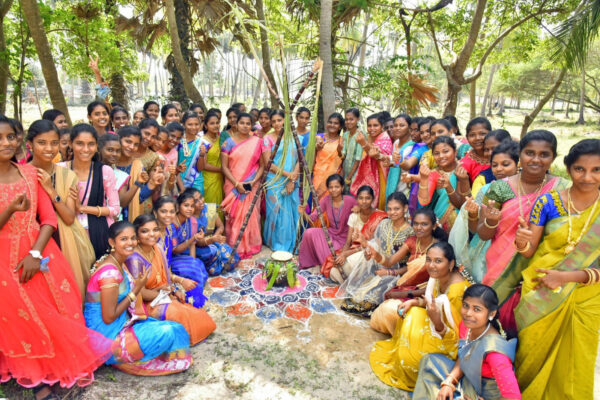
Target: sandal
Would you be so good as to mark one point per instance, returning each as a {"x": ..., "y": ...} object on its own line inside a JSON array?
[{"x": 50, "y": 396}]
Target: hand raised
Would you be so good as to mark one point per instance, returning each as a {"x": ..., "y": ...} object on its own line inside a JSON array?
[
  {"x": 424, "y": 171},
  {"x": 140, "y": 282},
  {"x": 491, "y": 214},
  {"x": 472, "y": 207},
  {"x": 461, "y": 173},
  {"x": 19, "y": 203}
]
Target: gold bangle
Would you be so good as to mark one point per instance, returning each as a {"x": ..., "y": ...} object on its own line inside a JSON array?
[
  {"x": 452, "y": 192},
  {"x": 454, "y": 380},
  {"x": 490, "y": 226},
  {"x": 449, "y": 384},
  {"x": 475, "y": 218},
  {"x": 524, "y": 249},
  {"x": 467, "y": 193},
  {"x": 131, "y": 297},
  {"x": 99, "y": 211},
  {"x": 589, "y": 277}
]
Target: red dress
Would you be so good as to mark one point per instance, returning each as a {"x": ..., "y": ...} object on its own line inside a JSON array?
[{"x": 44, "y": 338}]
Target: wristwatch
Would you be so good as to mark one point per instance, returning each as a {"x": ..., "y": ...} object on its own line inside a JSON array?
[
  {"x": 57, "y": 199},
  {"x": 35, "y": 254}
]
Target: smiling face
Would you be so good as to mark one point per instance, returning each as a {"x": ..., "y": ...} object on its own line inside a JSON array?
[
  {"x": 303, "y": 119},
  {"x": 351, "y": 122},
  {"x": 130, "y": 145},
  {"x": 335, "y": 189},
  {"x": 536, "y": 158},
  {"x": 148, "y": 234},
  {"x": 422, "y": 226},
  {"x": 374, "y": 128},
  {"x": 277, "y": 122},
  {"x": 444, "y": 156},
  {"x": 8, "y": 142},
  {"x": 426, "y": 136},
  {"x": 192, "y": 126},
  {"x": 166, "y": 214},
  {"x": 149, "y": 135},
  {"x": 174, "y": 138},
  {"x": 153, "y": 111},
  {"x": 45, "y": 146},
  {"x": 84, "y": 147},
  {"x": 333, "y": 126},
  {"x": 401, "y": 129},
  {"x": 438, "y": 130},
  {"x": 138, "y": 116},
  {"x": 187, "y": 207},
  {"x": 232, "y": 118},
  {"x": 213, "y": 125},
  {"x": 396, "y": 210},
  {"x": 585, "y": 173},
  {"x": 159, "y": 142},
  {"x": 111, "y": 152},
  {"x": 476, "y": 137},
  {"x": 503, "y": 166},
  {"x": 474, "y": 313},
  {"x": 364, "y": 200},
  {"x": 438, "y": 266},
  {"x": 264, "y": 121},
  {"x": 172, "y": 116},
  {"x": 64, "y": 146},
  {"x": 61, "y": 122},
  {"x": 125, "y": 242},
  {"x": 120, "y": 119},
  {"x": 99, "y": 118}
]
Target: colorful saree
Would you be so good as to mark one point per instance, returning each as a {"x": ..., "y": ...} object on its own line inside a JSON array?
[
  {"x": 351, "y": 153},
  {"x": 244, "y": 163},
  {"x": 196, "y": 322},
  {"x": 440, "y": 202},
  {"x": 394, "y": 184},
  {"x": 396, "y": 361},
  {"x": 558, "y": 330},
  {"x": 213, "y": 181},
  {"x": 371, "y": 172},
  {"x": 282, "y": 216},
  {"x": 189, "y": 155},
  {"x": 327, "y": 163},
  {"x": 141, "y": 346}
]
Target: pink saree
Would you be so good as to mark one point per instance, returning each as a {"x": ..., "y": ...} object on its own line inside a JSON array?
[
  {"x": 244, "y": 159},
  {"x": 372, "y": 173}
]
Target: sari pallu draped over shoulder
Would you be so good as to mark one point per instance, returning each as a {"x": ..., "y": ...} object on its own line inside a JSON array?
[
  {"x": 244, "y": 161},
  {"x": 371, "y": 172},
  {"x": 135, "y": 208},
  {"x": 558, "y": 330}
]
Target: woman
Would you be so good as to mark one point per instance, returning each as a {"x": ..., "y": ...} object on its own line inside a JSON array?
[
  {"x": 119, "y": 117},
  {"x": 491, "y": 141},
  {"x": 109, "y": 150},
  {"x": 426, "y": 324},
  {"x": 57, "y": 117},
  {"x": 232, "y": 116},
  {"x": 363, "y": 222},
  {"x": 506, "y": 201},
  {"x": 281, "y": 194},
  {"x": 97, "y": 204},
  {"x": 352, "y": 152},
  {"x": 210, "y": 164},
  {"x": 402, "y": 149},
  {"x": 302, "y": 127},
  {"x": 440, "y": 188},
  {"x": 169, "y": 113},
  {"x": 40, "y": 301},
  {"x": 484, "y": 368},
  {"x": 329, "y": 154},
  {"x": 337, "y": 208},
  {"x": 148, "y": 256},
  {"x": 470, "y": 249},
  {"x": 190, "y": 151},
  {"x": 243, "y": 167},
  {"x": 367, "y": 280},
  {"x": 372, "y": 171},
  {"x": 138, "y": 116},
  {"x": 427, "y": 137},
  {"x": 474, "y": 161},
  {"x": 152, "y": 109},
  {"x": 143, "y": 345},
  {"x": 98, "y": 116},
  {"x": 264, "y": 119},
  {"x": 558, "y": 316},
  {"x": 60, "y": 184}
]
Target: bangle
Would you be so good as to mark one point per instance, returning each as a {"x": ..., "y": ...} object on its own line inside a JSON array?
[
  {"x": 449, "y": 384},
  {"x": 490, "y": 226},
  {"x": 467, "y": 193},
  {"x": 524, "y": 249},
  {"x": 99, "y": 211},
  {"x": 139, "y": 184},
  {"x": 452, "y": 192},
  {"x": 453, "y": 379},
  {"x": 131, "y": 297},
  {"x": 475, "y": 218}
]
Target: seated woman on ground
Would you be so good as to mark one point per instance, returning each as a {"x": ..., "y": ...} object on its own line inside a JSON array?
[
  {"x": 114, "y": 308},
  {"x": 164, "y": 296},
  {"x": 484, "y": 368},
  {"x": 423, "y": 325}
]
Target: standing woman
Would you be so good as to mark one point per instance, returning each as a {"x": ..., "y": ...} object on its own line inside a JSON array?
[
  {"x": 474, "y": 161},
  {"x": 230, "y": 130},
  {"x": 40, "y": 305},
  {"x": 99, "y": 116},
  {"x": 264, "y": 119},
  {"x": 506, "y": 201},
  {"x": 243, "y": 167},
  {"x": 352, "y": 152},
  {"x": 138, "y": 116},
  {"x": 329, "y": 154},
  {"x": 337, "y": 207},
  {"x": 282, "y": 198},
  {"x": 60, "y": 184},
  {"x": 190, "y": 150},
  {"x": 210, "y": 164},
  {"x": 119, "y": 117},
  {"x": 558, "y": 317},
  {"x": 402, "y": 149},
  {"x": 302, "y": 127},
  {"x": 169, "y": 113},
  {"x": 144, "y": 346},
  {"x": 151, "y": 109},
  {"x": 97, "y": 203}
]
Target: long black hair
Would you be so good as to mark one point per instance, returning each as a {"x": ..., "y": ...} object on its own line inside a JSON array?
[
  {"x": 118, "y": 227},
  {"x": 586, "y": 147},
  {"x": 41, "y": 126},
  {"x": 448, "y": 251},
  {"x": 489, "y": 298},
  {"x": 540, "y": 135},
  {"x": 142, "y": 220},
  {"x": 438, "y": 233}
]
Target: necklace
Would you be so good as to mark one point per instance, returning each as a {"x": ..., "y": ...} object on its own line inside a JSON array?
[
  {"x": 571, "y": 244},
  {"x": 418, "y": 250},
  {"x": 149, "y": 259},
  {"x": 117, "y": 263},
  {"x": 389, "y": 241},
  {"x": 468, "y": 341},
  {"x": 521, "y": 193},
  {"x": 339, "y": 216},
  {"x": 478, "y": 159}
]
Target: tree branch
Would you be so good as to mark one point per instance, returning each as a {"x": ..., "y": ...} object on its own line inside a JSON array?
[
  {"x": 467, "y": 50},
  {"x": 435, "y": 41}
]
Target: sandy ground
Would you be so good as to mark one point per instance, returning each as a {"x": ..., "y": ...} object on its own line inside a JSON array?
[{"x": 327, "y": 358}]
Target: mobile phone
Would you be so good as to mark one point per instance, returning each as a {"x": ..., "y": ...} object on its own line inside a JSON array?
[{"x": 247, "y": 186}]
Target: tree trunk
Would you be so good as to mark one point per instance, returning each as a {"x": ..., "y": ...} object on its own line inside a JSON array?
[
  {"x": 266, "y": 55},
  {"x": 256, "y": 96},
  {"x": 118, "y": 90},
  {"x": 487, "y": 90},
  {"x": 4, "y": 70},
  {"x": 176, "y": 28},
  {"x": 553, "y": 103},
  {"x": 529, "y": 118},
  {"x": 363, "y": 45},
  {"x": 451, "y": 97},
  {"x": 328, "y": 88},
  {"x": 472, "y": 99},
  {"x": 34, "y": 21},
  {"x": 502, "y": 105},
  {"x": 581, "y": 119}
]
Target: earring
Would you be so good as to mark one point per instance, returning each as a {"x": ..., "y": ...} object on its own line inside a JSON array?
[
  {"x": 491, "y": 318},
  {"x": 112, "y": 249}
]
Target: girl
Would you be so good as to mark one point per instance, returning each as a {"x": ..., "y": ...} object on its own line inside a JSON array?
[
  {"x": 56, "y": 116},
  {"x": 230, "y": 130},
  {"x": 557, "y": 315},
  {"x": 147, "y": 347},
  {"x": 438, "y": 188},
  {"x": 191, "y": 150},
  {"x": 98, "y": 116},
  {"x": 210, "y": 164},
  {"x": 169, "y": 113},
  {"x": 302, "y": 127},
  {"x": 492, "y": 139},
  {"x": 148, "y": 256},
  {"x": 169, "y": 152},
  {"x": 474, "y": 161},
  {"x": 138, "y": 116},
  {"x": 484, "y": 366},
  {"x": 281, "y": 195},
  {"x": 243, "y": 167},
  {"x": 119, "y": 117},
  {"x": 60, "y": 184},
  {"x": 329, "y": 154},
  {"x": 352, "y": 152},
  {"x": 40, "y": 302},
  {"x": 402, "y": 149},
  {"x": 337, "y": 207},
  {"x": 424, "y": 325},
  {"x": 151, "y": 109},
  {"x": 372, "y": 170},
  {"x": 97, "y": 204},
  {"x": 264, "y": 119},
  {"x": 109, "y": 149}
]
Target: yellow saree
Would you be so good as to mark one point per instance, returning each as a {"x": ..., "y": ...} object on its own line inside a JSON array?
[
  {"x": 558, "y": 330},
  {"x": 74, "y": 241}
]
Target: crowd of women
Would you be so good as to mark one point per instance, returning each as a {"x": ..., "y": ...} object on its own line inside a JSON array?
[{"x": 477, "y": 261}]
